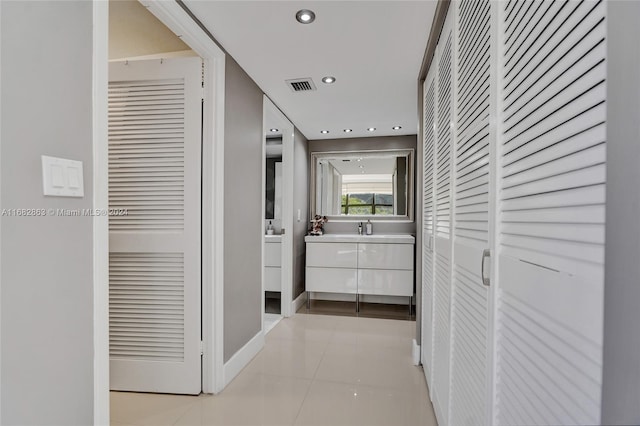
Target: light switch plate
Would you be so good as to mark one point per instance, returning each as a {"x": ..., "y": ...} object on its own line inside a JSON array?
[{"x": 62, "y": 177}]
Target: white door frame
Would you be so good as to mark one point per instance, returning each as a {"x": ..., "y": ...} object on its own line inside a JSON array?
[
  {"x": 100, "y": 119},
  {"x": 286, "y": 290},
  {"x": 177, "y": 20},
  {"x": 0, "y": 198}
]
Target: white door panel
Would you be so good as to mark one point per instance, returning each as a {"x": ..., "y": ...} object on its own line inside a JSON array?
[
  {"x": 154, "y": 268},
  {"x": 471, "y": 302},
  {"x": 428, "y": 225},
  {"x": 444, "y": 147},
  {"x": 552, "y": 158}
]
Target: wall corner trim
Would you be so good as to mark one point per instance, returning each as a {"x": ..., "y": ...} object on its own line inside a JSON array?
[
  {"x": 416, "y": 352},
  {"x": 434, "y": 35},
  {"x": 298, "y": 302},
  {"x": 240, "y": 359}
]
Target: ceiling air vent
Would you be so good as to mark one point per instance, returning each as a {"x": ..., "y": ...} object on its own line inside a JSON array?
[{"x": 301, "y": 84}]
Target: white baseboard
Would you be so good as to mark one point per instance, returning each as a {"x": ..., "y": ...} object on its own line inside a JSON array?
[
  {"x": 241, "y": 358},
  {"x": 300, "y": 300},
  {"x": 416, "y": 353}
]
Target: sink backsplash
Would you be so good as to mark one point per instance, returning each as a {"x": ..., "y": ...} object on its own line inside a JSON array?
[
  {"x": 378, "y": 227},
  {"x": 277, "y": 225}
]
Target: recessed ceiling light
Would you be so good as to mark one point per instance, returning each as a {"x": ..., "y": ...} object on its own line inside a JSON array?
[
  {"x": 347, "y": 130},
  {"x": 328, "y": 79},
  {"x": 324, "y": 131},
  {"x": 362, "y": 167},
  {"x": 305, "y": 16},
  {"x": 371, "y": 129},
  {"x": 273, "y": 130},
  {"x": 397, "y": 127}
]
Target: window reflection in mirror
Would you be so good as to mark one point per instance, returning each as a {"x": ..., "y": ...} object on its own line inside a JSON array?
[{"x": 367, "y": 184}]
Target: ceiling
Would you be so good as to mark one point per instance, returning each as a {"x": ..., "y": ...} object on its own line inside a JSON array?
[
  {"x": 356, "y": 166},
  {"x": 374, "y": 49}
]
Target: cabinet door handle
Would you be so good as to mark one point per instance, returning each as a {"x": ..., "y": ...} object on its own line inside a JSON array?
[{"x": 486, "y": 254}]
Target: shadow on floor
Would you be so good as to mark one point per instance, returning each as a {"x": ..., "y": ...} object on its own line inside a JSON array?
[{"x": 367, "y": 310}]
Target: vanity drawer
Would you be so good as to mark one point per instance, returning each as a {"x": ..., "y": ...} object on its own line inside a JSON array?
[
  {"x": 332, "y": 280},
  {"x": 385, "y": 282},
  {"x": 385, "y": 256},
  {"x": 272, "y": 279},
  {"x": 332, "y": 255},
  {"x": 272, "y": 254}
]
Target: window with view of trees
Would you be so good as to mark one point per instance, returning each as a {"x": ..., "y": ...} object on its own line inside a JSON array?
[{"x": 366, "y": 204}]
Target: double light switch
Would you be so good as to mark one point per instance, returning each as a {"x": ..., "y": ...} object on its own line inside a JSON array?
[{"x": 62, "y": 177}]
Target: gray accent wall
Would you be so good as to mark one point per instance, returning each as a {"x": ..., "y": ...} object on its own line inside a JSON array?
[
  {"x": 301, "y": 203},
  {"x": 621, "y": 357},
  {"x": 47, "y": 272},
  {"x": 243, "y": 209},
  {"x": 364, "y": 144}
]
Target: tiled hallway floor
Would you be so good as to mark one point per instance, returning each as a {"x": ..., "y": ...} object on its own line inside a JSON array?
[{"x": 314, "y": 370}]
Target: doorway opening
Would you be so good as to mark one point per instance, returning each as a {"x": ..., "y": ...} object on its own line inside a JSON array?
[
  {"x": 209, "y": 205},
  {"x": 277, "y": 218}
]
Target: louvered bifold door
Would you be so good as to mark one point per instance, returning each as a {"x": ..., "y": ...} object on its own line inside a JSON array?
[
  {"x": 552, "y": 159},
  {"x": 154, "y": 234},
  {"x": 428, "y": 222},
  {"x": 470, "y": 299},
  {"x": 443, "y": 208}
]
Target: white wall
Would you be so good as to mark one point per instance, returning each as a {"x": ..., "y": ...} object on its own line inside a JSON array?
[{"x": 47, "y": 276}]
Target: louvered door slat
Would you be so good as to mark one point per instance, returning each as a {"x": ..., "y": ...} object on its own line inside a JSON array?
[
  {"x": 428, "y": 224},
  {"x": 443, "y": 209},
  {"x": 549, "y": 343},
  {"x": 134, "y": 306},
  {"x": 470, "y": 304},
  {"x": 132, "y": 163},
  {"x": 154, "y": 264}
]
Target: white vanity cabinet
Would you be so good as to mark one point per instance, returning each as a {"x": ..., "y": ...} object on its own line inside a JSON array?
[
  {"x": 385, "y": 269},
  {"x": 359, "y": 264},
  {"x": 332, "y": 267},
  {"x": 272, "y": 263}
]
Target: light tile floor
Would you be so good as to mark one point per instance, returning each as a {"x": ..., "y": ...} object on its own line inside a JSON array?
[
  {"x": 270, "y": 321},
  {"x": 314, "y": 370}
]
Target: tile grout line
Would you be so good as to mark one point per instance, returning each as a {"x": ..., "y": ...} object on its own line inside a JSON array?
[{"x": 313, "y": 379}]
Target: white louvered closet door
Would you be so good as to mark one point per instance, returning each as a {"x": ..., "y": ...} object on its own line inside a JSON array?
[
  {"x": 552, "y": 202},
  {"x": 428, "y": 222},
  {"x": 443, "y": 217},
  {"x": 154, "y": 254},
  {"x": 470, "y": 328}
]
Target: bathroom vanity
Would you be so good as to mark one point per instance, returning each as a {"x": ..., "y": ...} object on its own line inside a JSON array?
[
  {"x": 272, "y": 263},
  {"x": 360, "y": 264}
]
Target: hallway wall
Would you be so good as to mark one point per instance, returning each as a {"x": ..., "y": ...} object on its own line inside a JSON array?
[
  {"x": 47, "y": 272},
  {"x": 621, "y": 358},
  {"x": 242, "y": 208}
]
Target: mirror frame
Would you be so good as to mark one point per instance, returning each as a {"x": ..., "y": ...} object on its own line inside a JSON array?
[{"x": 409, "y": 153}]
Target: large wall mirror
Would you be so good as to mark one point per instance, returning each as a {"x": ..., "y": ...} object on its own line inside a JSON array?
[{"x": 352, "y": 186}]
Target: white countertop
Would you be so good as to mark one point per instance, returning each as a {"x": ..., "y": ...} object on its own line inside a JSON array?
[{"x": 355, "y": 238}]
